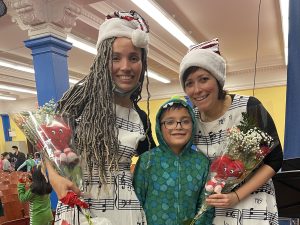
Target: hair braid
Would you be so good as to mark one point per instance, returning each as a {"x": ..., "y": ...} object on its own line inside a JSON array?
[{"x": 91, "y": 100}]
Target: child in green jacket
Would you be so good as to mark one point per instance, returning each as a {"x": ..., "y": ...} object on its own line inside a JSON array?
[
  {"x": 169, "y": 180},
  {"x": 38, "y": 196}
]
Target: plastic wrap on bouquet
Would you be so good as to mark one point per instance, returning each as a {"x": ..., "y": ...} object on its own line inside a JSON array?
[
  {"x": 52, "y": 135},
  {"x": 244, "y": 148}
]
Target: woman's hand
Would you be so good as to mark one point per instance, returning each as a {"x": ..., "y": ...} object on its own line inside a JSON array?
[
  {"x": 61, "y": 185},
  {"x": 222, "y": 200}
]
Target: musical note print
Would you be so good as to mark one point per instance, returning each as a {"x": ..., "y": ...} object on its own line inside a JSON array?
[
  {"x": 254, "y": 214},
  {"x": 115, "y": 199},
  {"x": 129, "y": 126},
  {"x": 260, "y": 206}
]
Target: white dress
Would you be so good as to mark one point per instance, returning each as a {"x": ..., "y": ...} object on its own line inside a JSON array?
[
  {"x": 260, "y": 207},
  {"x": 114, "y": 203}
]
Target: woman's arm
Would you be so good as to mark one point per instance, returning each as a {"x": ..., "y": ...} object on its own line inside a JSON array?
[
  {"x": 264, "y": 121},
  {"x": 61, "y": 185}
]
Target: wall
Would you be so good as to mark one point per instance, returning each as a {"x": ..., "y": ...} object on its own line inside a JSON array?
[{"x": 19, "y": 136}]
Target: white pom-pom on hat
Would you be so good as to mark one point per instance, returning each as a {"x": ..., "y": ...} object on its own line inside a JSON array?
[
  {"x": 119, "y": 25},
  {"x": 140, "y": 39}
]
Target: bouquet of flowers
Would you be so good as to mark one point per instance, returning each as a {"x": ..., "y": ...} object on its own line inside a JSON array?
[
  {"x": 52, "y": 135},
  {"x": 245, "y": 147}
]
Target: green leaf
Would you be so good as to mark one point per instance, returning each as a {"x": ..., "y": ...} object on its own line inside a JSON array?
[{"x": 247, "y": 123}]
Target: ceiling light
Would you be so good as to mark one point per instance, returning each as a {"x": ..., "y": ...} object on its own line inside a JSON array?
[
  {"x": 17, "y": 89},
  {"x": 73, "y": 81},
  {"x": 82, "y": 44},
  {"x": 16, "y": 66},
  {"x": 160, "y": 78},
  {"x": 7, "y": 98},
  {"x": 25, "y": 68},
  {"x": 159, "y": 15}
]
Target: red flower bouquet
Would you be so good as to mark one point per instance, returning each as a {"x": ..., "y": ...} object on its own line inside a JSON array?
[
  {"x": 245, "y": 147},
  {"x": 52, "y": 135}
]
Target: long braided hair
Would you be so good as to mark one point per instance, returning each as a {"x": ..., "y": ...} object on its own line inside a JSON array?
[{"x": 91, "y": 100}]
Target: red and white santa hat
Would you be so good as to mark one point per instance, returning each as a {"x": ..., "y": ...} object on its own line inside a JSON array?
[
  {"x": 125, "y": 24},
  {"x": 205, "y": 55}
]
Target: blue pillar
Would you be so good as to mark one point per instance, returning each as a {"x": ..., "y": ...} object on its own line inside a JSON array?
[
  {"x": 292, "y": 119},
  {"x": 51, "y": 67},
  {"x": 51, "y": 73},
  {"x": 6, "y": 127}
]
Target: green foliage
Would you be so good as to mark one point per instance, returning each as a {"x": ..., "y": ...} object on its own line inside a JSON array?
[{"x": 247, "y": 123}]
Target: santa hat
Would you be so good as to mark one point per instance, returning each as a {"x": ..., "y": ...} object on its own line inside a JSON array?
[
  {"x": 125, "y": 24},
  {"x": 205, "y": 55}
]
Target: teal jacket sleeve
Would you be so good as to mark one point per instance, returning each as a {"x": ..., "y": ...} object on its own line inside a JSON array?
[
  {"x": 140, "y": 181},
  {"x": 24, "y": 195},
  {"x": 209, "y": 213}
]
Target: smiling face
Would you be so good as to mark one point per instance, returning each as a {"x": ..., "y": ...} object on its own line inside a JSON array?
[
  {"x": 126, "y": 64},
  {"x": 176, "y": 138},
  {"x": 202, "y": 89}
]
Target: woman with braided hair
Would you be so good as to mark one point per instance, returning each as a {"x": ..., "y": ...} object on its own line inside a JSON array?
[{"x": 111, "y": 127}]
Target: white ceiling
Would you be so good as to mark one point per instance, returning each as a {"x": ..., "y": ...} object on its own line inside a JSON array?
[{"x": 234, "y": 22}]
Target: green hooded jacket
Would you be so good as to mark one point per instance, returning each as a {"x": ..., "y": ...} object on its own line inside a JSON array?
[{"x": 170, "y": 187}]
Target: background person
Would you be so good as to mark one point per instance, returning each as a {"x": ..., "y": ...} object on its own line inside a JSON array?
[
  {"x": 18, "y": 158},
  {"x": 6, "y": 166},
  {"x": 38, "y": 196}
]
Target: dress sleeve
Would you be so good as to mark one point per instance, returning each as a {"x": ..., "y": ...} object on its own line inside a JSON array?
[
  {"x": 148, "y": 143},
  {"x": 256, "y": 110},
  {"x": 140, "y": 181},
  {"x": 24, "y": 195}
]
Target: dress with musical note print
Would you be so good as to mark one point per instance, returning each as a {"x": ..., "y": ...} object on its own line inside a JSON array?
[
  {"x": 114, "y": 203},
  {"x": 259, "y": 207}
]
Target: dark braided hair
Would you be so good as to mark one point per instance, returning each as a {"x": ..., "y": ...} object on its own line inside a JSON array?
[{"x": 91, "y": 100}]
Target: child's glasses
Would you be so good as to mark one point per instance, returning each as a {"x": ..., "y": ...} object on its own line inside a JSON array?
[{"x": 172, "y": 124}]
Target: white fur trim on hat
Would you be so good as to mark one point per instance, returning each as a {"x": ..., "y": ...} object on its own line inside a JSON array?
[
  {"x": 116, "y": 27},
  {"x": 205, "y": 59}
]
